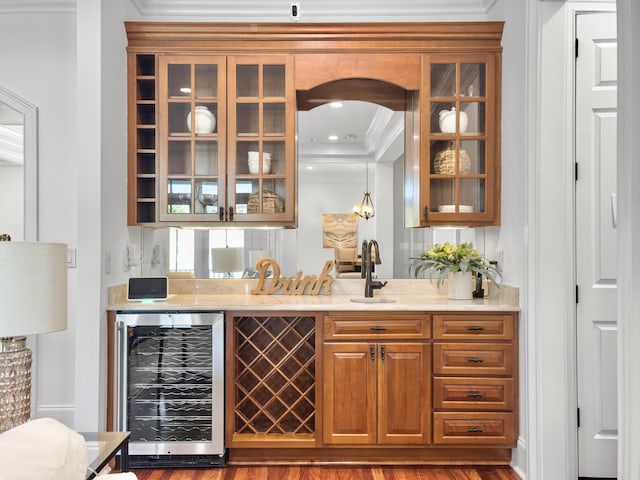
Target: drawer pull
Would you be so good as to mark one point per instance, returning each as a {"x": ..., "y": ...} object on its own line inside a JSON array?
[
  {"x": 475, "y": 395},
  {"x": 475, "y": 360},
  {"x": 376, "y": 328},
  {"x": 475, "y": 328},
  {"x": 474, "y": 430}
]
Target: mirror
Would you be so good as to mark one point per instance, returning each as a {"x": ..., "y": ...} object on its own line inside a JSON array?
[
  {"x": 331, "y": 179},
  {"x": 11, "y": 172},
  {"x": 18, "y": 167}
]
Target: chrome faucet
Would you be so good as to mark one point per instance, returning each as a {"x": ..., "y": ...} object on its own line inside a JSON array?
[{"x": 369, "y": 284}]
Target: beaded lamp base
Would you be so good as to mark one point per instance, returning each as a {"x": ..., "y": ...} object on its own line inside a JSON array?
[{"x": 15, "y": 382}]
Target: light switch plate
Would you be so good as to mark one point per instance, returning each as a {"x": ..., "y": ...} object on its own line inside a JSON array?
[{"x": 71, "y": 258}]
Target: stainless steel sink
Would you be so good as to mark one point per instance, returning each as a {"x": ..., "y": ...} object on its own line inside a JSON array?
[{"x": 372, "y": 300}]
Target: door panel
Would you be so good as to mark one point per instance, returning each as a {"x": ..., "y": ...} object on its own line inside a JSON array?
[
  {"x": 596, "y": 250},
  {"x": 403, "y": 393},
  {"x": 350, "y": 393}
]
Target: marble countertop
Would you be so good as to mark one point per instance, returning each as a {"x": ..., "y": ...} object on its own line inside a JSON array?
[{"x": 398, "y": 295}]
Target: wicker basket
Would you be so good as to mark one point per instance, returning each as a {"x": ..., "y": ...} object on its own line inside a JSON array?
[
  {"x": 445, "y": 161},
  {"x": 271, "y": 203}
]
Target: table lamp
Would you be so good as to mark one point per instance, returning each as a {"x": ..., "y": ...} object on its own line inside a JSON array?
[
  {"x": 227, "y": 260},
  {"x": 33, "y": 299}
]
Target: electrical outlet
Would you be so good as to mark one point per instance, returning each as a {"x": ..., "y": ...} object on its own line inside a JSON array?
[{"x": 500, "y": 259}]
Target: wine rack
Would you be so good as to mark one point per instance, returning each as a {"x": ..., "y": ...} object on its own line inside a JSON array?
[{"x": 273, "y": 390}]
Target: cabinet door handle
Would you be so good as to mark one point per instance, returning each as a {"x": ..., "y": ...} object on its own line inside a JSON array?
[
  {"x": 475, "y": 360},
  {"x": 221, "y": 213},
  {"x": 475, "y": 328},
  {"x": 382, "y": 352},
  {"x": 376, "y": 328},
  {"x": 230, "y": 215},
  {"x": 475, "y": 395},
  {"x": 426, "y": 213},
  {"x": 474, "y": 430},
  {"x": 372, "y": 351}
]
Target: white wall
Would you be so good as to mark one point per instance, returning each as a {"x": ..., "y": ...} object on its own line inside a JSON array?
[
  {"x": 38, "y": 64},
  {"x": 628, "y": 238}
]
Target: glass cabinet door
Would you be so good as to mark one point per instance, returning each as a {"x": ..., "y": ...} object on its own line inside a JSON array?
[
  {"x": 261, "y": 165},
  {"x": 458, "y": 181},
  {"x": 192, "y": 137}
]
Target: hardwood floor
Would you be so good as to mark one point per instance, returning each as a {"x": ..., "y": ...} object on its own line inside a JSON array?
[{"x": 332, "y": 473}]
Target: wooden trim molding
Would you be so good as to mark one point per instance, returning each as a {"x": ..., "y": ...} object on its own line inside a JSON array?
[{"x": 261, "y": 37}]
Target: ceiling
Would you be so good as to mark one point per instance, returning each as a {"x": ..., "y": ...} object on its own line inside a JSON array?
[{"x": 362, "y": 133}]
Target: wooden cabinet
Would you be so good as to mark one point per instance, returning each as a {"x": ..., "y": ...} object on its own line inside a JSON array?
[
  {"x": 377, "y": 390},
  {"x": 475, "y": 368},
  {"x": 252, "y": 77},
  {"x": 221, "y": 147},
  {"x": 460, "y": 140}
]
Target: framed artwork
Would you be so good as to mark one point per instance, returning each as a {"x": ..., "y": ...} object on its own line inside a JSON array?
[{"x": 339, "y": 230}]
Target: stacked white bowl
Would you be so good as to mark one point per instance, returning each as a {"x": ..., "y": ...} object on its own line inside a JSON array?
[{"x": 254, "y": 166}]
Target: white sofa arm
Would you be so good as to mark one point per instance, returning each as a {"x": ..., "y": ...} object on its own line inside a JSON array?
[{"x": 43, "y": 449}]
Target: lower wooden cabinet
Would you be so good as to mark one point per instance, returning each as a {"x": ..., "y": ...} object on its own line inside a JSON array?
[
  {"x": 473, "y": 428},
  {"x": 475, "y": 364},
  {"x": 376, "y": 393},
  {"x": 360, "y": 386}
]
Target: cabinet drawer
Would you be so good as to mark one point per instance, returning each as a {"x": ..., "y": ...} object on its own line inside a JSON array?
[
  {"x": 384, "y": 326},
  {"x": 473, "y": 327},
  {"x": 477, "y": 428},
  {"x": 473, "y": 359},
  {"x": 473, "y": 393}
]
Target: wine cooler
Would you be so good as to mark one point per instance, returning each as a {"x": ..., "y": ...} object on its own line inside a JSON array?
[{"x": 169, "y": 390}]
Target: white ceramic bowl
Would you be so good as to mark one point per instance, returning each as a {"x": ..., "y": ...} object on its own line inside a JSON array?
[{"x": 254, "y": 166}]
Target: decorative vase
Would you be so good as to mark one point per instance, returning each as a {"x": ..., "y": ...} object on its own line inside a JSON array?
[
  {"x": 447, "y": 121},
  {"x": 205, "y": 120},
  {"x": 460, "y": 286}
]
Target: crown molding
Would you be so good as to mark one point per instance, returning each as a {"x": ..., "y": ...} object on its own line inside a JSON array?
[{"x": 315, "y": 10}]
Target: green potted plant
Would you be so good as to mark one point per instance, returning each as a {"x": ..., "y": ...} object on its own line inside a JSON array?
[{"x": 458, "y": 264}]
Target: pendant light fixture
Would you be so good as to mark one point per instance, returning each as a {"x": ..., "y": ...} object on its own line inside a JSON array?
[{"x": 365, "y": 208}]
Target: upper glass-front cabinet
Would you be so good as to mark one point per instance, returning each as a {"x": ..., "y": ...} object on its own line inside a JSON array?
[
  {"x": 261, "y": 169},
  {"x": 192, "y": 137},
  {"x": 226, "y": 139},
  {"x": 460, "y": 156}
]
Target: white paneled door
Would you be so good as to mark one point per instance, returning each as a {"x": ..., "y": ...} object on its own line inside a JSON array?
[{"x": 596, "y": 84}]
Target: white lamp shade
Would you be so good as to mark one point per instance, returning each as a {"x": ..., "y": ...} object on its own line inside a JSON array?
[
  {"x": 226, "y": 260},
  {"x": 255, "y": 255},
  {"x": 33, "y": 288}
]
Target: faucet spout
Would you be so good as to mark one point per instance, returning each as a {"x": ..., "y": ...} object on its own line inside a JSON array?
[{"x": 367, "y": 262}]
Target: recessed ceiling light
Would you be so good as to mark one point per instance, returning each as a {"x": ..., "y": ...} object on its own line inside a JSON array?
[
  {"x": 350, "y": 137},
  {"x": 309, "y": 167},
  {"x": 336, "y": 104},
  {"x": 333, "y": 137}
]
